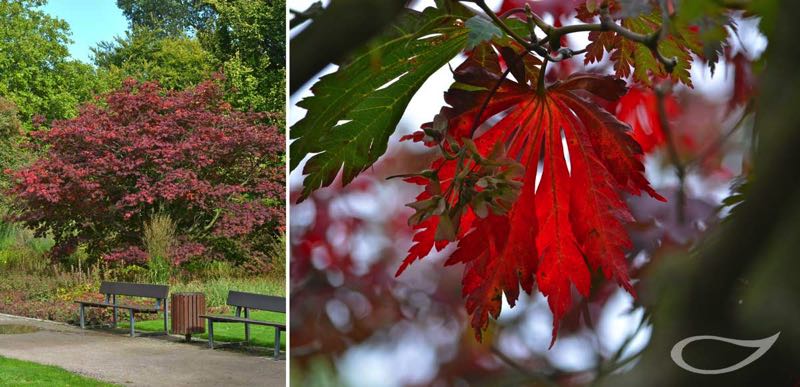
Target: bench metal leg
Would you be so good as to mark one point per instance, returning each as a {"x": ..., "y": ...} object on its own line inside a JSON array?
[
  {"x": 246, "y": 326},
  {"x": 211, "y": 334},
  {"x": 132, "y": 325},
  {"x": 277, "y": 342},
  {"x": 114, "y": 320},
  {"x": 82, "y": 313},
  {"x": 166, "y": 317}
]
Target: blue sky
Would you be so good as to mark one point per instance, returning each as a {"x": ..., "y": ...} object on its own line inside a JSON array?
[{"x": 90, "y": 22}]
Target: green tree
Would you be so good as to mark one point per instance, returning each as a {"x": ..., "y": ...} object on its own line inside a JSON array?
[
  {"x": 169, "y": 17},
  {"x": 176, "y": 62},
  {"x": 35, "y": 70},
  {"x": 247, "y": 38}
]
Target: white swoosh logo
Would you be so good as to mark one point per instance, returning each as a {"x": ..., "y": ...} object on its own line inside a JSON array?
[{"x": 763, "y": 346}]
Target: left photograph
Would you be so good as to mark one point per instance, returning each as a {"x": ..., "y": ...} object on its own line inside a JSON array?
[{"x": 142, "y": 193}]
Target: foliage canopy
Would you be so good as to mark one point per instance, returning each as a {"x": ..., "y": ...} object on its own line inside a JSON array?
[{"x": 102, "y": 175}]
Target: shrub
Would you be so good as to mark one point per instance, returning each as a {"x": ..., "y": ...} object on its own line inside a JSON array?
[
  {"x": 10, "y": 124},
  {"x": 217, "y": 172},
  {"x": 21, "y": 251}
]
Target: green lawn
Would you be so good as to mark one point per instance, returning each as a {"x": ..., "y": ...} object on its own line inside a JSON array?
[
  {"x": 230, "y": 332},
  {"x": 23, "y": 373}
]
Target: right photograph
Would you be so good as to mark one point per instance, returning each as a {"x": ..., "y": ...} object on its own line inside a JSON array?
[{"x": 543, "y": 193}]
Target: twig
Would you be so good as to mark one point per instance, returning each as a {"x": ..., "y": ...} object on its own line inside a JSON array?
[
  {"x": 614, "y": 363},
  {"x": 554, "y": 34},
  {"x": 519, "y": 368},
  {"x": 680, "y": 169},
  {"x": 722, "y": 138},
  {"x": 651, "y": 41},
  {"x": 512, "y": 12},
  {"x": 564, "y": 53},
  {"x": 492, "y": 92},
  {"x": 500, "y": 23}
]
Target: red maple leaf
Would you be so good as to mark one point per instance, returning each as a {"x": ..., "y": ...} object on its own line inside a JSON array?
[
  {"x": 559, "y": 229},
  {"x": 639, "y": 109}
]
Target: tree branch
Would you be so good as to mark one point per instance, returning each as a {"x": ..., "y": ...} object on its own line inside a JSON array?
[
  {"x": 554, "y": 34},
  {"x": 500, "y": 23}
]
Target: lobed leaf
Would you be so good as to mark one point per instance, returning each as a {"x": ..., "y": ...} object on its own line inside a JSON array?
[
  {"x": 354, "y": 111},
  {"x": 564, "y": 227},
  {"x": 632, "y": 58}
]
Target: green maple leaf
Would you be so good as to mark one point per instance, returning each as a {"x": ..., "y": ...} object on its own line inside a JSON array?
[{"x": 354, "y": 111}]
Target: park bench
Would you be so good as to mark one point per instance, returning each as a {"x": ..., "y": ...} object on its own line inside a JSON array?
[
  {"x": 113, "y": 289},
  {"x": 243, "y": 303}
]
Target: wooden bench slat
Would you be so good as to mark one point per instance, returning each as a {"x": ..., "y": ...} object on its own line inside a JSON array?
[
  {"x": 134, "y": 290},
  {"x": 136, "y": 308},
  {"x": 257, "y": 301}
]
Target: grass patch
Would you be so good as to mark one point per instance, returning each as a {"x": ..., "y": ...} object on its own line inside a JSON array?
[
  {"x": 216, "y": 290},
  {"x": 23, "y": 373},
  {"x": 230, "y": 332}
]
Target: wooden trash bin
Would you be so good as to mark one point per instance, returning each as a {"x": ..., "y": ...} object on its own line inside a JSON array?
[{"x": 186, "y": 311}]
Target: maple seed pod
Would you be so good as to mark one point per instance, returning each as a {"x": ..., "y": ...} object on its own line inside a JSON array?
[
  {"x": 438, "y": 130},
  {"x": 445, "y": 231}
]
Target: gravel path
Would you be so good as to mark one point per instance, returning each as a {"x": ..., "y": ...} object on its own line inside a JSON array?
[{"x": 139, "y": 361}]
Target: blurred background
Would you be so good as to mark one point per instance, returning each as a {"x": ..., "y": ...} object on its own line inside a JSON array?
[{"x": 353, "y": 323}]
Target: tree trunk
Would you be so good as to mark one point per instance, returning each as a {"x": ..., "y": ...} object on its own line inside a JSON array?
[{"x": 742, "y": 283}]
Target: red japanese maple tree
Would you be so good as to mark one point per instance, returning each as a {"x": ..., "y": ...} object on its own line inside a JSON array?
[{"x": 141, "y": 150}]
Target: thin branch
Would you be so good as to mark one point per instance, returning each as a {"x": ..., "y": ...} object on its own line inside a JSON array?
[
  {"x": 547, "y": 28},
  {"x": 623, "y": 363},
  {"x": 519, "y": 368},
  {"x": 554, "y": 34},
  {"x": 680, "y": 169},
  {"x": 500, "y": 23},
  {"x": 651, "y": 41},
  {"x": 529, "y": 19},
  {"x": 564, "y": 53},
  {"x": 711, "y": 148},
  {"x": 572, "y": 28},
  {"x": 614, "y": 362},
  {"x": 512, "y": 12},
  {"x": 493, "y": 91}
]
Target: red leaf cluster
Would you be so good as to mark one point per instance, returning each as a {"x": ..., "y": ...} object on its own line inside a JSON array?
[{"x": 560, "y": 228}]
